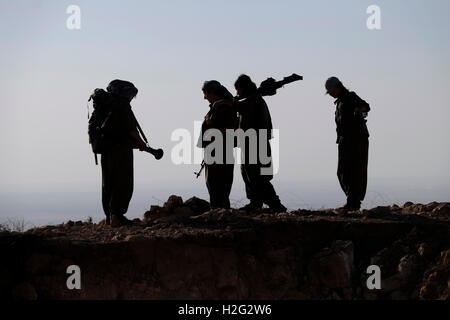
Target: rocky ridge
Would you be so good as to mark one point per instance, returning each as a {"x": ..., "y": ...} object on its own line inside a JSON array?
[{"x": 183, "y": 250}]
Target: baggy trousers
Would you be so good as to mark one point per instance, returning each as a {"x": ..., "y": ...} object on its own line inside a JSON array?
[
  {"x": 219, "y": 179},
  {"x": 258, "y": 187},
  {"x": 117, "y": 179},
  {"x": 352, "y": 168}
]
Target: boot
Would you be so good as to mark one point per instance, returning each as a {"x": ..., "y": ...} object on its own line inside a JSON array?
[
  {"x": 278, "y": 208},
  {"x": 353, "y": 205},
  {"x": 119, "y": 221},
  {"x": 350, "y": 206},
  {"x": 105, "y": 222},
  {"x": 252, "y": 206}
]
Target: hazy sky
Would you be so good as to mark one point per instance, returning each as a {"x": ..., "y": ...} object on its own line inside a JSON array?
[{"x": 168, "y": 48}]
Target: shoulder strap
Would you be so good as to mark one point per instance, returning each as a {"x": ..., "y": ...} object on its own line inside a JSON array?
[{"x": 138, "y": 126}]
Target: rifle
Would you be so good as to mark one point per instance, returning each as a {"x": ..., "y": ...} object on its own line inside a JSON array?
[
  {"x": 270, "y": 86},
  {"x": 201, "y": 169}
]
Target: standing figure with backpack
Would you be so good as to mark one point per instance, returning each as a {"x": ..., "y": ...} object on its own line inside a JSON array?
[
  {"x": 352, "y": 140},
  {"x": 113, "y": 133}
]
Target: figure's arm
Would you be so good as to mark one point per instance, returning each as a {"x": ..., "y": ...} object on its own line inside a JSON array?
[
  {"x": 361, "y": 106},
  {"x": 346, "y": 121},
  {"x": 352, "y": 114},
  {"x": 238, "y": 105}
]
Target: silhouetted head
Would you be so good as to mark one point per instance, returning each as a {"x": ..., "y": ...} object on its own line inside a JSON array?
[
  {"x": 214, "y": 91},
  {"x": 122, "y": 88},
  {"x": 245, "y": 86},
  {"x": 334, "y": 87}
]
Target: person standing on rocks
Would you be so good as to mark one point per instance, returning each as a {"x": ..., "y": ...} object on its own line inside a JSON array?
[
  {"x": 352, "y": 140},
  {"x": 254, "y": 115},
  {"x": 219, "y": 163},
  {"x": 118, "y": 136}
]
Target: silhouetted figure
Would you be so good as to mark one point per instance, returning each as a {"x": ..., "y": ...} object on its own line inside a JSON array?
[
  {"x": 352, "y": 140},
  {"x": 113, "y": 131},
  {"x": 218, "y": 174},
  {"x": 254, "y": 114}
]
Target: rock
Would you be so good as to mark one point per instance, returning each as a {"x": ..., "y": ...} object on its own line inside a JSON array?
[
  {"x": 183, "y": 211},
  {"x": 156, "y": 212},
  {"x": 225, "y": 264},
  {"x": 407, "y": 204},
  {"x": 162, "y": 214},
  {"x": 118, "y": 237},
  {"x": 173, "y": 202},
  {"x": 222, "y": 215},
  {"x": 430, "y": 206},
  {"x": 436, "y": 282},
  {"x": 442, "y": 209},
  {"x": 426, "y": 250},
  {"x": 24, "y": 291},
  {"x": 393, "y": 283},
  {"x": 134, "y": 238},
  {"x": 333, "y": 267},
  {"x": 428, "y": 290},
  {"x": 408, "y": 266},
  {"x": 38, "y": 263},
  {"x": 445, "y": 256},
  {"x": 197, "y": 205},
  {"x": 381, "y": 210},
  {"x": 414, "y": 209}
]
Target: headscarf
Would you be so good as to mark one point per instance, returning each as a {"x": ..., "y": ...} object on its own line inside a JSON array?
[{"x": 213, "y": 86}]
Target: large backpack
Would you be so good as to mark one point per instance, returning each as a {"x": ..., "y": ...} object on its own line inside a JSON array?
[
  {"x": 106, "y": 103},
  {"x": 103, "y": 103}
]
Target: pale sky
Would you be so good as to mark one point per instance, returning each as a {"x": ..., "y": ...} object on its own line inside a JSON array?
[{"x": 168, "y": 48}]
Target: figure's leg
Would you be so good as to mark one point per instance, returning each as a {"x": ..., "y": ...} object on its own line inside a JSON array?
[
  {"x": 122, "y": 188},
  {"x": 107, "y": 181},
  {"x": 228, "y": 171},
  {"x": 212, "y": 177},
  {"x": 251, "y": 186}
]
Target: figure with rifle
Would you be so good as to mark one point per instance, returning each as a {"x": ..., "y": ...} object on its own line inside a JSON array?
[
  {"x": 218, "y": 155},
  {"x": 254, "y": 115}
]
